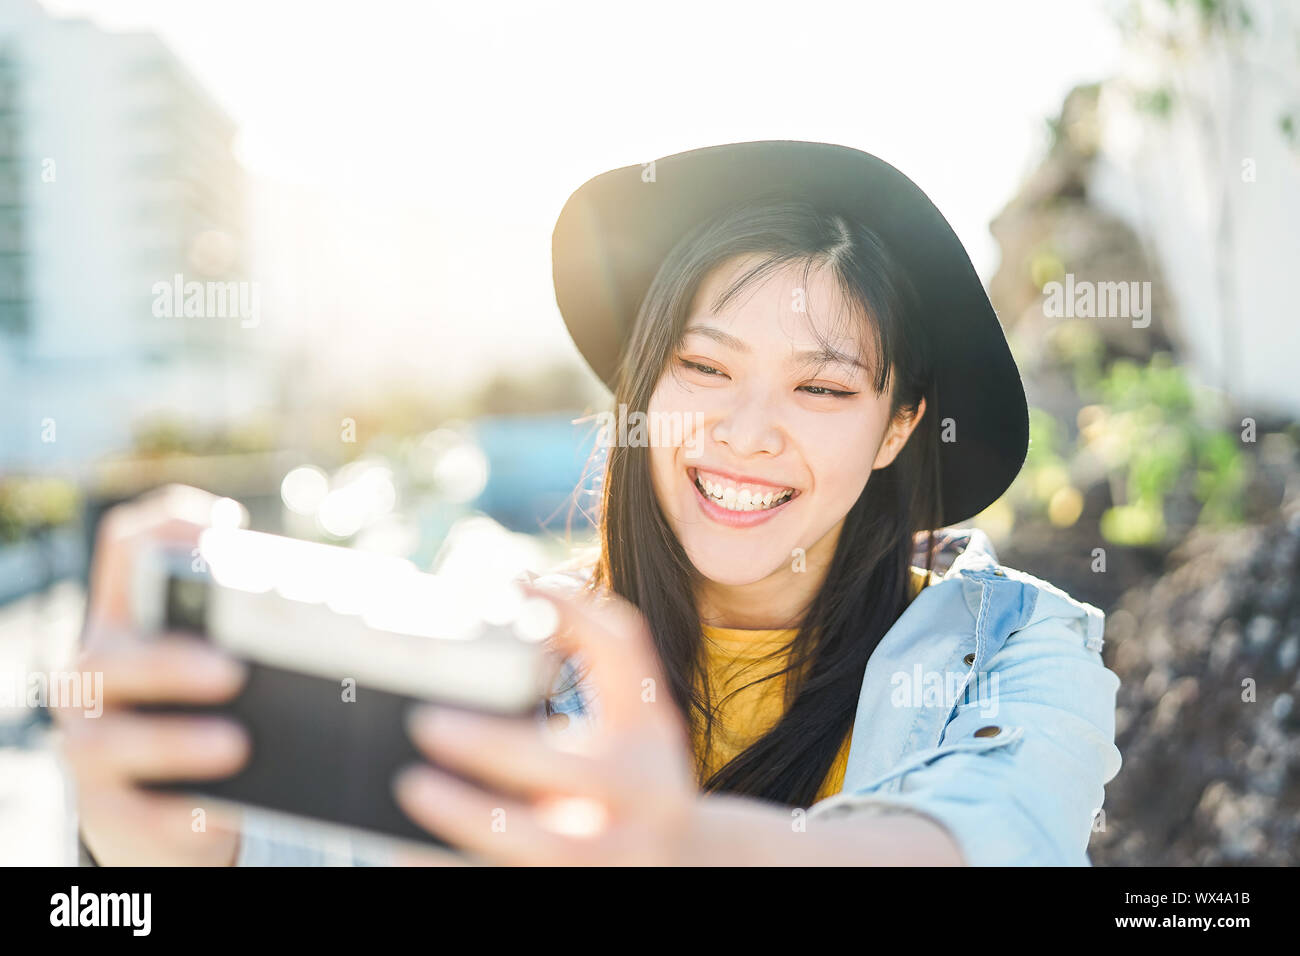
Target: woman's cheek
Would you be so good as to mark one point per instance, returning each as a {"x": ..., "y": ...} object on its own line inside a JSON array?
[
  {"x": 679, "y": 417},
  {"x": 672, "y": 400},
  {"x": 840, "y": 460}
]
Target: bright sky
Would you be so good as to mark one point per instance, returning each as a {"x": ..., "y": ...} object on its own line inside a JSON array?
[{"x": 486, "y": 116}]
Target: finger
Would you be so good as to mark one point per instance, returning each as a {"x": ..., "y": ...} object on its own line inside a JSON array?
[
  {"x": 614, "y": 639},
  {"x": 488, "y": 825},
  {"x": 505, "y": 753},
  {"x": 172, "y": 668},
  {"x": 122, "y": 747},
  {"x": 174, "y": 515}
]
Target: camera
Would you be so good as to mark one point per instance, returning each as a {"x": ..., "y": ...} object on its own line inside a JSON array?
[{"x": 340, "y": 644}]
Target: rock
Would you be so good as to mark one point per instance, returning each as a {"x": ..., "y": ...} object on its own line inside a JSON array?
[{"x": 1207, "y": 728}]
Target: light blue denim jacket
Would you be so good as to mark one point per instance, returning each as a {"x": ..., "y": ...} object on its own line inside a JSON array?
[{"x": 986, "y": 707}]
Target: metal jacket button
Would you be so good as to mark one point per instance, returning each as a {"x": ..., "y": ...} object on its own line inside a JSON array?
[
  {"x": 968, "y": 660},
  {"x": 989, "y": 731}
]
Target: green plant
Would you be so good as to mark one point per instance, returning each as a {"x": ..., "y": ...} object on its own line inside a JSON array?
[
  {"x": 1045, "y": 486},
  {"x": 32, "y": 504},
  {"x": 161, "y": 437},
  {"x": 1162, "y": 443},
  {"x": 1159, "y": 438}
]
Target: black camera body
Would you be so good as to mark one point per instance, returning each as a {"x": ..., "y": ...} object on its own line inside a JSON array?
[{"x": 340, "y": 646}]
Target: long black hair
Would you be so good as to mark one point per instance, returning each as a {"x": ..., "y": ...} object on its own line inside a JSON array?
[{"x": 866, "y": 586}]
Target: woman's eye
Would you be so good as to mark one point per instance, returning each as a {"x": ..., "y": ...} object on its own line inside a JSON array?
[
  {"x": 821, "y": 390},
  {"x": 705, "y": 369}
]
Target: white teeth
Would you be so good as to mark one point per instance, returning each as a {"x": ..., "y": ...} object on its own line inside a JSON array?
[{"x": 742, "y": 499}]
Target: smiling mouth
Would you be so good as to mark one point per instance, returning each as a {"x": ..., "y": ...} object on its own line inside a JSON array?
[{"x": 742, "y": 497}]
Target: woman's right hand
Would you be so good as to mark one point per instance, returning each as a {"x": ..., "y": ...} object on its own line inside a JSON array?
[{"x": 109, "y": 752}]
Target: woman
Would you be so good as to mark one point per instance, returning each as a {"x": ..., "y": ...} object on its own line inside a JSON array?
[{"x": 759, "y": 673}]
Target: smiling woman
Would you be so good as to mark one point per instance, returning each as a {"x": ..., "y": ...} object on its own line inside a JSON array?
[
  {"x": 742, "y": 327},
  {"x": 812, "y": 310}
]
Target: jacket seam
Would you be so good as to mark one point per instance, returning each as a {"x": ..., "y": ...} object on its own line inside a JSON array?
[{"x": 981, "y": 646}]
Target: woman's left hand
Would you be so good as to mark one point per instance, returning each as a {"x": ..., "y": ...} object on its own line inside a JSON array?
[{"x": 621, "y": 793}]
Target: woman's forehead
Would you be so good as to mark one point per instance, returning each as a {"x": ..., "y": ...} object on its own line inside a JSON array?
[{"x": 805, "y": 295}]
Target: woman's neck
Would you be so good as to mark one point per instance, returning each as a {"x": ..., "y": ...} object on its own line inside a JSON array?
[{"x": 776, "y": 602}]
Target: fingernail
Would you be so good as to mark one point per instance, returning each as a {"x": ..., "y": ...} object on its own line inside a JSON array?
[
  {"x": 422, "y": 721},
  {"x": 415, "y": 782},
  {"x": 227, "y": 668},
  {"x": 442, "y": 726},
  {"x": 213, "y": 663}
]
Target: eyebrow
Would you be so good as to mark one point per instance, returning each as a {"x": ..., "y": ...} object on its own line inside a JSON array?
[{"x": 813, "y": 357}]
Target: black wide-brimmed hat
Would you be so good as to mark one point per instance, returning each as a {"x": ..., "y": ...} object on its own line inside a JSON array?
[{"x": 616, "y": 230}]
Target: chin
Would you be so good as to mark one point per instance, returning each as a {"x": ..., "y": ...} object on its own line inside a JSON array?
[{"x": 733, "y": 567}]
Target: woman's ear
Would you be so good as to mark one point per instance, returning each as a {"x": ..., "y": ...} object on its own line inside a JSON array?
[{"x": 900, "y": 429}]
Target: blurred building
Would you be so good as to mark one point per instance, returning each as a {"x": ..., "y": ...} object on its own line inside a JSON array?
[{"x": 116, "y": 177}]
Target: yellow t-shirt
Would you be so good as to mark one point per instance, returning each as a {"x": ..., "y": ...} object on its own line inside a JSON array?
[{"x": 734, "y": 660}]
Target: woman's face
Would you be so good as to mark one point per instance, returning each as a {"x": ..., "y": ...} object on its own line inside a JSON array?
[{"x": 787, "y": 440}]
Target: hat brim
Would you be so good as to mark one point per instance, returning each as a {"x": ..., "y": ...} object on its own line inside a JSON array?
[{"x": 616, "y": 230}]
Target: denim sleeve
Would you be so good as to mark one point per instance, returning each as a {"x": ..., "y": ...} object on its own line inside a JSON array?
[{"x": 1026, "y": 790}]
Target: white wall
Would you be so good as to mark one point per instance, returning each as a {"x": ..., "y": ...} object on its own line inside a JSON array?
[{"x": 1163, "y": 179}]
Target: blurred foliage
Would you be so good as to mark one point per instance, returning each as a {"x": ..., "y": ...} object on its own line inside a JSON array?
[
  {"x": 1078, "y": 346},
  {"x": 29, "y": 505},
  {"x": 1161, "y": 443},
  {"x": 1180, "y": 26},
  {"x": 160, "y": 437},
  {"x": 1082, "y": 133},
  {"x": 1155, "y": 102},
  {"x": 1152, "y": 430},
  {"x": 380, "y": 417},
  {"x": 1046, "y": 265},
  {"x": 559, "y": 386}
]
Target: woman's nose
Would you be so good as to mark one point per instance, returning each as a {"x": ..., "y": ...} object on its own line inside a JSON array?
[{"x": 749, "y": 427}]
